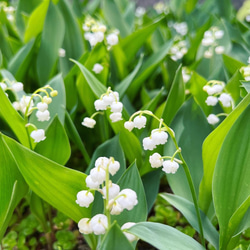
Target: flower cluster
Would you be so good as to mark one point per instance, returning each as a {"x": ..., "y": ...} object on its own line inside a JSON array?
[
  {"x": 9, "y": 11},
  {"x": 26, "y": 105},
  {"x": 178, "y": 50},
  {"x": 95, "y": 33},
  {"x": 186, "y": 74},
  {"x": 157, "y": 137},
  {"x": 109, "y": 100},
  {"x": 210, "y": 40},
  {"x": 161, "y": 7},
  {"x": 215, "y": 93},
  {"x": 115, "y": 200}
]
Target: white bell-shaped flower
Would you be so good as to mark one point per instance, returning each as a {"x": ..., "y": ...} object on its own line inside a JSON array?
[
  {"x": 115, "y": 117},
  {"x": 43, "y": 116},
  {"x": 24, "y": 102},
  {"x": 148, "y": 143},
  {"x": 127, "y": 198},
  {"x": 99, "y": 36},
  {"x": 212, "y": 119},
  {"x": 112, "y": 39},
  {"x": 155, "y": 160},
  {"x": 90, "y": 183},
  {"x": 129, "y": 125},
  {"x": 42, "y": 106},
  {"x": 116, "y": 107},
  {"x": 159, "y": 137},
  {"x": 219, "y": 50},
  {"x": 115, "y": 207},
  {"x": 225, "y": 99},
  {"x": 170, "y": 167},
  {"x": 84, "y": 198},
  {"x": 47, "y": 99},
  {"x": 98, "y": 175},
  {"x": 88, "y": 122},
  {"x": 140, "y": 121},
  {"x": 17, "y": 86},
  {"x": 97, "y": 68},
  {"x": 114, "y": 167},
  {"x": 38, "y": 135},
  {"x": 102, "y": 162},
  {"x": 211, "y": 100},
  {"x": 84, "y": 226},
  {"x": 100, "y": 105},
  {"x": 218, "y": 34},
  {"x": 114, "y": 190},
  {"x": 129, "y": 236},
  {"x": 16, "y": 105},
  {"x": 99, "y": 224}
]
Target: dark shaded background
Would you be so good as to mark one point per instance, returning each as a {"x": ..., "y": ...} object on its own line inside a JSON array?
[{"x": 145, "y": 3}]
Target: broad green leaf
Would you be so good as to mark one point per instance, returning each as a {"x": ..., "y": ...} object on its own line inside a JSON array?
[
  {"x": 131, "y": 179},
  {"x": 231, "y": 64},
  {"x": 36, "y": 21},
  {"x": 36, "y": 205},
  {"x": 56, "y": 147},
  {"x": 132, "y": 43},
  {"x": 75, "y": 137},
  {"x": 57, "y": 107},
  {"x": 164, "y": 237},
  {"x": 210, "y": 152},
  {"x": 52, "y": 39},
  {"x": 20, "y": 63},
  {"x": 73, "y": 47},
  {"x": 114, "y": 17},
  {"x": 246, "y": 85},
  {"x": 191, "y": 128},
  {"x": 122, "y": 87},
  {"x": 13, "y": 119},
  {"x": 196, "y": 88},
  {"x": 151, "y": 183},
  {"x": 233, "y": 86},
  {"x": 175, "y": 98},
  {"x": 147, "y": 68},
  {"x": 152, "y": 104},
  {"x": 12, "y": 186},
  {"x": 188, "y": 210},
  {"x": 115, "y": 239},
  {"x": 5, "y": 45},
  {"x": 53, "y": 182},
  {"x": 230, "y": 186},
  {"x": 97, "y": 87}
]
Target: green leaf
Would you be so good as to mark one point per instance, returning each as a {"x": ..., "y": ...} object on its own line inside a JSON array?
[
  {"x": 131, "y": 179},
  {"x": 114, "y": 17},
  {"x": 36, "y": 21},
  {"x": 232, "y": 195},
  {"x": 196, "y": 88},
  {"x": 233, "y": 86},
  {"x": 132, "y": 43},
  {"x": 232, "y": 64},
  {"x": 75, "y": 137},
  {"x": 188, "y": 210},
  {"x": 20, "y": 63},
  {"x": 147, "y": 68},
  {"x": 56, "y": 146},
  {"x": 175, "y": 98},
  {"x": 115, "y": 239},
  {"x": 73, "y": 47},
  {"x": 51, "y": 41},
  {"x": 12, "y": 186},
  {"x": 122, "y": 87},
  {"x": 97, "y": 87},
  {"x": 164, "y": 237},
  {"x": 13, "y": 119},
  {"x": 210, "y": 152},
  {"x": 53, "y": 182},
  {"x": 191, "y": 128}
]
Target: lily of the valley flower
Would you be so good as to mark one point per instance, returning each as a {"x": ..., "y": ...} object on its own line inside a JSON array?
[{"x": 38, "y": 135}]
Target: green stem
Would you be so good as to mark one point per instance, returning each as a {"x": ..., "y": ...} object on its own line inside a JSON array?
[{"x": 106, "y": 205}]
